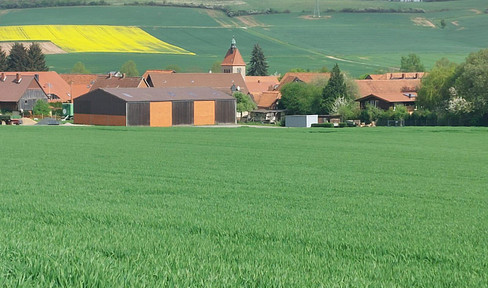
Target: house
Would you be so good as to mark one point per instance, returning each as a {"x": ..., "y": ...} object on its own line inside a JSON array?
[
  {"x": 396, "y": 76},
  {"x": 118, "y": 80},
  {"x": 224, "y": 82},
  {"x": 53, "y": 85},
  {"x": 79, "y": 83},
  {"x": 261, "y": 90},
  {"x": 155, "y": 107},
  {"x": 386, "y": 94},
  {"x": 153, "y": 72},
  {"x": 19, "y": 92},
  {"x": 233, "y": 62},
  {"x": 305, "y": 77}
]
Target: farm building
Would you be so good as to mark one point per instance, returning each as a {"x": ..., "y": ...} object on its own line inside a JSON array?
[
  {"x": 18, "y": 92},
  {"x": 227, "y": 83},
  {"x": 118, "y": 80},
  {"x": 79, "y": 83},
  {"x": 55, "y": 88},
  {"x": 156, "y": 107}
]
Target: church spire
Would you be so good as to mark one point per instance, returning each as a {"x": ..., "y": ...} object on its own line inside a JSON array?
[{"x": 233, "y": 62}]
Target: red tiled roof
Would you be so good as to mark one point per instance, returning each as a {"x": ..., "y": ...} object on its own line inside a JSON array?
[
  {"x": 149, "y": 72},
  {"x": 80, "y": 83},
  {"x": 233, "y": 58},
  {"x": 51, "y": 83},
  {"x": 390, "y": 91},
  {"x": 105, "y": 81},
  {"x": 307, "y": 77},
  {"x": 267, "y": 99},
  {"x": 396, "y": 76},
  {"x": 12, "y": 91},
  {"x": 260, "y": 84},
  {"x": 219, "y": 81}
]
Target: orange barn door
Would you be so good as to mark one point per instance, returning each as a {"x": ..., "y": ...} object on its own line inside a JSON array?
[
  {"x": 204, "y": 113},
  {"x": 161, "y": 114}
]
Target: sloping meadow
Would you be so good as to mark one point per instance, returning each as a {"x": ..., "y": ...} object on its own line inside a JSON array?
[{"x": 111, "y": 207}]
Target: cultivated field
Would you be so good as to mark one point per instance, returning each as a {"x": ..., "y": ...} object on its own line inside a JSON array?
[
  {"x": 359, "y": 42},
  {"x": 91, "y": 38},
  {"x": 186, "y": 207}
]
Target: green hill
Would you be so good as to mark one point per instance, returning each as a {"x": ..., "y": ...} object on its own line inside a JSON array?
[{"x": 359, "y": 42}]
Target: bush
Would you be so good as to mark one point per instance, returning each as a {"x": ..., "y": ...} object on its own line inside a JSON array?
[
  {"x": 41, "y": 108},
  {"x": 323, "y": 125},
  {"x": 342, "y": 125}
]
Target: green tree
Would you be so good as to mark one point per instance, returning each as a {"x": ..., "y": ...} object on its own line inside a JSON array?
[
  {"x": 18, "y": 58},
  {"x": 335, "y": 88},
  {"x": 471, "y": 83},
  {"x": 41, "y": 108},
  {"x": 130, "y": 69},
  {"x": 36, "y": 59},
  {"x": 300, "y": 98},
  {"x": 173, "y": 67},
  {"x": 3, "y": 60},
  {"x": 216, "y": 67},
  {"x": 244, "y": 102},
  {"x": 411, "y": 63},
  {"x": 258, "y": 65},
  {"x": 443, "y": 23},
  {"x": 79, "y": 68},
  {"x": 434, "y": 91}
]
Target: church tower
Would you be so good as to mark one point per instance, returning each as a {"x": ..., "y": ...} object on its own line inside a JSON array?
[{"x": 233, "y": 62}]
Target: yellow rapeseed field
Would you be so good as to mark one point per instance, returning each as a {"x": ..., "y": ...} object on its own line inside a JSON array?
[{"x": 91, "y": 38}]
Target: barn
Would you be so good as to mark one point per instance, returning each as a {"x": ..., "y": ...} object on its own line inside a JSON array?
[{"x": 156, "y": 107}]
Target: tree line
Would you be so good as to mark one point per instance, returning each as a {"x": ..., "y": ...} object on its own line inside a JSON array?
[{"x": 23, "y": 59}]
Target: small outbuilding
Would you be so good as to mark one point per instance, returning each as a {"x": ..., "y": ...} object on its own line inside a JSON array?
[
  {"x": 156, "y": 107},
  {"x": 301, "y": 120}
]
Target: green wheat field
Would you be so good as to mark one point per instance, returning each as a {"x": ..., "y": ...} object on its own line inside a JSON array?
[{"x": 248, "y": 207}]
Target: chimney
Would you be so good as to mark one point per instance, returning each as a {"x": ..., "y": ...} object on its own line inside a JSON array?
[
  {"x": 36, "y": 76},
  {"x": 109, "y": 75},
  {"x": 123, "y": 75},
  {"x": 3, "y": 77},
  {"x": 403, "y": 75},
  {"x": 18, "y": 78}
]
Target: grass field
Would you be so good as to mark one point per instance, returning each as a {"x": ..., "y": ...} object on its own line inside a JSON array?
[
  {"x": 359, "y": 42},
  {"x": 355, "y": 207}
]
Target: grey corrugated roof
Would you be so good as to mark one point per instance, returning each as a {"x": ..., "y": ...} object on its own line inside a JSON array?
[{"x": 167, "y": 94}]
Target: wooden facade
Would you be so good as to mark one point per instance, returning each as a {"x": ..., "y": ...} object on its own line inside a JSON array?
[{"x": 155, "y": 107}]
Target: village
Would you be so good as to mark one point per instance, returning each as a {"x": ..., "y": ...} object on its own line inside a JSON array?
[{"x": 162, "y": 98}]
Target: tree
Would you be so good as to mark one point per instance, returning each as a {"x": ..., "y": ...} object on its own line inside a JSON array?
[
  {"x": 244, "y": 102},
  {"x": 434, "y": 91},
  {"x": 79, "y": 68},
  {"x": 41, "y": 108},
  {"x": 173, "y": 67},
  {"x": 18, "y": 58},
  {"x": 216, "y": 67},
  {"x": 335, "y": 88},
  {"x": 3, "y": 60},
  {"x": 471, "y": 83},
  {"x": 258, "y": 65},
  {"x": 411, "y": 63},
  {"x": 300, "y": 98},
  {"x": 36, "y": 59},
  {"x": 443, "y": 23},
  {"x": 130, "y": 69}
]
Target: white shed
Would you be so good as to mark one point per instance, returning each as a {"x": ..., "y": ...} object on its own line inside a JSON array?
[{"x": 301, "y": 120}]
